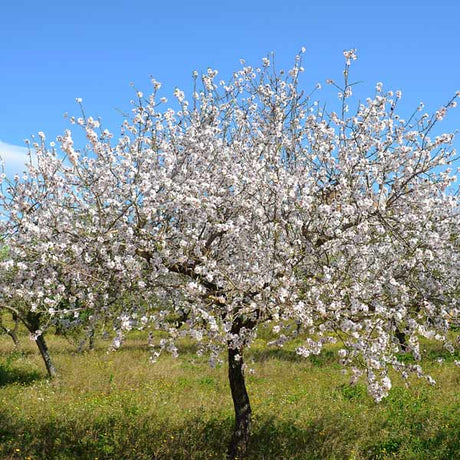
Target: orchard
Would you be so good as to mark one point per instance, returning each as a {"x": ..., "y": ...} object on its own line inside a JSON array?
[{"x": 247, "y": 205}]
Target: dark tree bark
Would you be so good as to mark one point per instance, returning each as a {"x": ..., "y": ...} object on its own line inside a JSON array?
[
  {"x": 401, "y": 339},
  {"x": 91, "y": 338},
  {"x": 81, "y": 345},
  {"x": 13, "y": 333},
  {"x": 32, "y": 322},
  {"x": 40, "y": 340},
  {"x": 240, "y": 438}
]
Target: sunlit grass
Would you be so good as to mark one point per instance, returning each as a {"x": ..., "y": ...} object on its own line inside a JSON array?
[{"x": 120, "y": 406}]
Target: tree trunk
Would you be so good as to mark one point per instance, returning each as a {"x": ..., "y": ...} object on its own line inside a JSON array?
[
  {"x": 91, "y": 338},
  {"x": 13, "y": 335},
  {"x": 401, "y": 339},
  {"x": 40, "y": 340},
  {"x": 32, "y": 323},
  {"x": 81, "y": 345},
  {"x": 12, "y": 332},
  {"x": 240, "y": 438}
]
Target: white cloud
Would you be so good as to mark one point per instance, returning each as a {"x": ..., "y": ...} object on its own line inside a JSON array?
[{"x": 13, "y": 157}]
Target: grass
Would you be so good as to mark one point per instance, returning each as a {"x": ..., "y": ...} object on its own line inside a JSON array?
[{"x": 120, "y": 406}]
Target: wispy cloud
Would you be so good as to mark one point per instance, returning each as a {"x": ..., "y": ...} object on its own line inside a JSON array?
[{"x": 13, "y": 157}]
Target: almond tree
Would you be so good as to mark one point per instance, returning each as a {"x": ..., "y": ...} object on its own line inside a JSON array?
[{"x": 249, "y": 204}]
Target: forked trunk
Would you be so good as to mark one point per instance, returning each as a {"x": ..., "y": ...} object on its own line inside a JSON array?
[
  {"x": 13, "y": 335},
  {"x": 90, "y": 338},
  {"x": 240, "y": 438},
  {"x": 12, "y": 332}
]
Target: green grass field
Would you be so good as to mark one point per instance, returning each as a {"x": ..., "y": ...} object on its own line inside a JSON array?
[{"x": 120, "y": 406}]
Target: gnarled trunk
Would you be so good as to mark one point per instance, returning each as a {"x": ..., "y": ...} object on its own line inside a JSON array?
[{"x": 240, "y": 438}]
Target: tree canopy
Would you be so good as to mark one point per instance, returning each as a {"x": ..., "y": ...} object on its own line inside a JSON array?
[{"x": 248, "y": 204}]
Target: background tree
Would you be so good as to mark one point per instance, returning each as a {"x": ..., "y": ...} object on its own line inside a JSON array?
[{"x": 12, "y": 332}]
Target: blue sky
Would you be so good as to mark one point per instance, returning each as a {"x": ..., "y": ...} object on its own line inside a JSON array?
[{"x": 54, "y": 51}]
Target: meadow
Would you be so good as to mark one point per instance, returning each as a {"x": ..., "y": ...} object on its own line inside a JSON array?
[{"x": 118, "y": 405}]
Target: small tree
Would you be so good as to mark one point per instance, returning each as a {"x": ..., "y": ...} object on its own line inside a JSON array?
[
  {"x": 251, "y": 205},
  {"x": 12, "y": 332},
  {"x": 33, "y": 323}
]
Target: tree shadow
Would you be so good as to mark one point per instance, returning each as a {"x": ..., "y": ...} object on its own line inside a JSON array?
[
  {"x": 430, "y": 353},
  {"x": 325, "y": 358},
  {"x": 191, "y": 349},
  {"x": 11, "y": 375},
  {"x": 269, "y": 354},
  {"x": 141, "y": 437}
]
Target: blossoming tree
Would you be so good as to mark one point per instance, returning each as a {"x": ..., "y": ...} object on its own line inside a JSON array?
[{"x": 248, "y": 204}]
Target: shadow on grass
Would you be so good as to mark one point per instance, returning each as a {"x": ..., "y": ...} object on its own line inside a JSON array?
[
  {"x": 113, "y": 435},
  {"x": 11, "y": 375},
  {"x": 430, "y": 353},
  {"x": 325, "y": 358}
]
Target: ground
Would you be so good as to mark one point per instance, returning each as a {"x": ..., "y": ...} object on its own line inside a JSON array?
[{"x": 118, "y": 405}]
